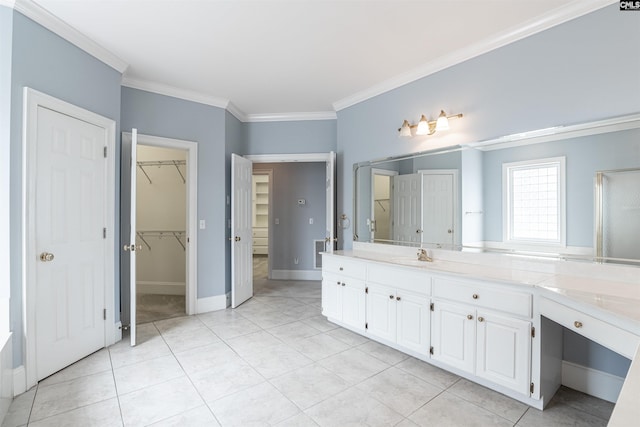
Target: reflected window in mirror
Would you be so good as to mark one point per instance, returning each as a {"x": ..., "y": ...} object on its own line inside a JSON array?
[{"x": 534, "y": 201}]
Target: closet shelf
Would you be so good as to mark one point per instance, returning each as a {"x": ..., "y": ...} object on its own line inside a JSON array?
[
  {"x": 158, "y": 163},
  {"x": 160, "y": 234}
]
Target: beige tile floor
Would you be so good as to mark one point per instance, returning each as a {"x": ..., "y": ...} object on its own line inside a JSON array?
[{"x": 274, "y": 361}]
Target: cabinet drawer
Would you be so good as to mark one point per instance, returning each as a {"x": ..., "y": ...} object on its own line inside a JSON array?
[
  {"x": 402, "y": 278},
  {"x": 260, "y": 241},
  {"x": 518, "y": 303},
  {"x": 343, "y": 266},
  {"x": 260, "y": 250},
  {"x": 606, "y": 334},
  {"x": 260, "y": 232}
]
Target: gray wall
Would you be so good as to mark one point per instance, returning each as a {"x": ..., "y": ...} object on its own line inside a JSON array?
[
  {"x": 584, "y": 156},
  {"x": 568, "y": 74},
  {"x": 565, "y": 75},
  {"x": 45, "y": 62},
  {"x": 6, "y": 30},
  {"x": 169, "y": 117},
  {"x": 294, "y": 137},
  {"x": 293, "y": 236}
]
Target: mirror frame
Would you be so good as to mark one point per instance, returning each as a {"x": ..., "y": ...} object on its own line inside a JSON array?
[{"x": 555, "y": 133}]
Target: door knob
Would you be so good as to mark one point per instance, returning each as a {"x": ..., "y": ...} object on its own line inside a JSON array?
[
  {"x": 132, "y": 248},
  {"x": 46, "y": 257}
]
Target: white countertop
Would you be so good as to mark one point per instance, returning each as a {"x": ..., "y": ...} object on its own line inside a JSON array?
[{"x": 611, "y": 293}]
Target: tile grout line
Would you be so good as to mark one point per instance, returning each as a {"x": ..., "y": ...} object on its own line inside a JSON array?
[{"x": 115, "y": 384}]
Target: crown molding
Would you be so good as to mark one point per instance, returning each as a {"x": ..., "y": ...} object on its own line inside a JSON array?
[
  {"x": 8, "y": 3},
  {"x": 56, "y": 25},
  {"x": 291, "y": 117},
  {"x": 236, "y": 112},
  {"x": 555, "y": 17},
  {"x": 167, "y": 90}
]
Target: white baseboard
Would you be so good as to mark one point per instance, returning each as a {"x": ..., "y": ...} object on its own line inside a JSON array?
[
  {"x": 591, "y": 381},
  {"x": 19, "y": 380},
  {"x": 160, "y": 288},
  {"x": 296, "y": 274},
  {"x": 217, "y": 302}
]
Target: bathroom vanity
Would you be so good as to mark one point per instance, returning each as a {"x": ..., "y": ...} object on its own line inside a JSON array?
[{"x": 491, "y": 318}]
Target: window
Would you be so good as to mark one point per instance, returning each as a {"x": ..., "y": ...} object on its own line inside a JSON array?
[{"x": 534, "y": 201}]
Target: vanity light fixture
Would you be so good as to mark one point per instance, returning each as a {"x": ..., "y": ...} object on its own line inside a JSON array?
[{"x": 426, "y": 127}]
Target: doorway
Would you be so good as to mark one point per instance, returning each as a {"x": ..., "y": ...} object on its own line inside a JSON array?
[
  {"x": 382, "y": 204},
  {"x": 261, "y": 192},
  {"x": 178, "y": 166},
  {"x": 161, "y": 210}
]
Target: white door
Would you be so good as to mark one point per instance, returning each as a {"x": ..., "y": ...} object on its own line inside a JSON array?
[
  {"x": 413, "y": 321},
  {"x": 331, "y": 297},
  {"x": 438, "y": 208},
  {"x": 504, "y": 350},
  {"x": 381, "y": 312},
  {"x": 131, "y": 245},
  {"x": 453, "y": 338},
  {"x": 407, "y": 207},
  {"x": 241, "y": 231},
  {"x": 70, "y": 196},
  {"x": 330, "y": 235},
  {"x": 353, "y": 303}
]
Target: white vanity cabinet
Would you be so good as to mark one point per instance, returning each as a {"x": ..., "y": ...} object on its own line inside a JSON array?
[
  {"x": 343, "y": 291},
  {"x": 397, "y": 308},
  {"x": 487, "y": 335}
]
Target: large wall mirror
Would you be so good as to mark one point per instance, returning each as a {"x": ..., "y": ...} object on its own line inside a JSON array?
[{"x": 570, "y": 192}]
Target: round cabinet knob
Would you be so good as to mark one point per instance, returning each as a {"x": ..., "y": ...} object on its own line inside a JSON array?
[
  {"x": 480, "y": 319},
  {"x": 237, "y": 238},
  {"x": 449, "y": 231},
  {"x": 398, "y": 298},
  {"x": 577, "y": 324},
  {"x": 474, "y": 296},
  {"x": 390, "y": 296},
  {"x": 46, "y": 257},
  {"x": 343, "y": 284},
  {"x": 338, "y": 282},
  {"x": 470, "y": 317},
  {"x": 341, "y": 268}
]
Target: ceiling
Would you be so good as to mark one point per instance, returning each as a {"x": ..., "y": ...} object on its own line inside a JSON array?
[{"x": 298, "y": 56}]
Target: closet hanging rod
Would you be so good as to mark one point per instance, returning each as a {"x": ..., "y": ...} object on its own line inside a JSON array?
[
  {"x": 160, "y": 234},
  {"x": 158, "y": 163}
]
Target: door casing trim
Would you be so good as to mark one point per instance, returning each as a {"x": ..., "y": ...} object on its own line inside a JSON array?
[{"x": 32, "y": 99}]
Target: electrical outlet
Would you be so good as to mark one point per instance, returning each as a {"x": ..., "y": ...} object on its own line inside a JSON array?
[
  {"x": 295, "y": 260},
  {"x": 203, "y": 225},
  {"x": 277, "y": 221},
  {"x": 310, "y": 221}
]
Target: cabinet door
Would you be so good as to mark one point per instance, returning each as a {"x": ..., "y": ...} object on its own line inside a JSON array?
[
  {"x": 381, "y": 312},
  {"x": 504, "y": 351},
  {"x": 453, "y": 338},
  {"x": 352, "y": 303},
  {"x": 331, "y": 297},
  {"x": 413, "y": 321}
]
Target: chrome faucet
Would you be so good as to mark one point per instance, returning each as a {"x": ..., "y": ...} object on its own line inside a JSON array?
[{"x": 423, "y": 256}]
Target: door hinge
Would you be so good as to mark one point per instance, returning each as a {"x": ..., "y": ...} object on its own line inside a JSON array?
[
  {"x": 531, "y": 388},
  {"x": 104, "y": 313},
  {"x": 533, "y": 332},
  {"x": 431, "y": 306},
  {"x": 366, "y": 325},
  {"x": 366, "y": 290},
  {"x": 105, "y": 152},
  {"x": 104, "y": 233},
  {"x": 431, "y": 350}
]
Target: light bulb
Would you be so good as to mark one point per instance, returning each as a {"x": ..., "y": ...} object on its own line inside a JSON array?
[
  {"x": 423, "y": 126},
  {"x": 443, "y": 121},
  {"x": 405, "y": 130}
]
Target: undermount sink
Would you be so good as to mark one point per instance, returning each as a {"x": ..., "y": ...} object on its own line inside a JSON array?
[{"x": 412, "y": 262}]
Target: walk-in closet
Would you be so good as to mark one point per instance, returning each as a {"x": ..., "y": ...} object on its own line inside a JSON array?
[{"x": 161, "y": 201}]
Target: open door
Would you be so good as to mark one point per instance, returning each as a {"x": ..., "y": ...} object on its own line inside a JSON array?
[
  {"x": 241, "y": 231},
  {"x": 330, "y": 234},
  {"x": 131, "y": 246}
]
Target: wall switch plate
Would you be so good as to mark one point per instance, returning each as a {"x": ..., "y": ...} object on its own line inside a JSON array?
[
  {"x": 295, "y": 260},
  {"x": 203, "y": 225},
  {"x": 277, "y": 221},
  {"x": 310, "y": 221}
]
